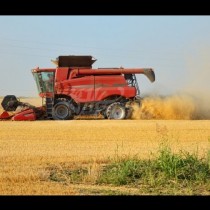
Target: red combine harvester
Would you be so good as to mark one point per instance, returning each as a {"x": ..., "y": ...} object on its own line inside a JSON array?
[{"x": 74, "y": 88}]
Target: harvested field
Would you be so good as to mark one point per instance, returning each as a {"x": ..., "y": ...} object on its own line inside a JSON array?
[{"x": 28, "y": 148}]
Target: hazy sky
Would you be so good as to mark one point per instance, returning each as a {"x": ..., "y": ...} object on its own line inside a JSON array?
[{"x": 176, "y": 47}]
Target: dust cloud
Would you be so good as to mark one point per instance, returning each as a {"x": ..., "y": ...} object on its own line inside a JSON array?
[
  {"x": 192, "y": 102},
  {"x": 173, "y": 107}
]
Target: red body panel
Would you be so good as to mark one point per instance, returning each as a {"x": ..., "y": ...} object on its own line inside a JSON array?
[
  {"x": 95, "y": 88},
  {"x": 88, "y": 85},
  {"x": 108, "y": 85},
  {"x": 80, "y": 89},
  {"x": 26, "y": 115},
  {"x": 61, "y": 74},
  {"x": 44, "y": 95},
  {"x": 5, "y": 115}
]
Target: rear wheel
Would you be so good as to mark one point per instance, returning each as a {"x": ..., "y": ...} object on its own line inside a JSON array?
[
  {"x": 115, "y": 111},
  {"x": 62, "y": 111},
  {"x": 104, "y": 114},
  {"x": 129, "y": 112}
]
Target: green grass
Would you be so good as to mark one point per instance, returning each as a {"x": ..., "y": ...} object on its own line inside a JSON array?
[
  {"x": 183, "y": 166},
  {"x": 122, "y": 172},
  {"x": 166, "y": 167},
  {"x": 165, "y": 173}
]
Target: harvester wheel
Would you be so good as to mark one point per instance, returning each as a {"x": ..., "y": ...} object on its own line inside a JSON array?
[
  {"x": 129, "y": 112},
  {"x": 104, "y": 114},
  {"x": 115, "y": 111},
  {"x": 62, "y": 111}
]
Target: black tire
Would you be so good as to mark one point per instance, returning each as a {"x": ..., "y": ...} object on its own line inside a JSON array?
[
  {"x": 129, "y": 112},
  {"x": 62, "y": 111},
  {"x": 115, "y": 111},
  {"x": 104, "y": 114}
]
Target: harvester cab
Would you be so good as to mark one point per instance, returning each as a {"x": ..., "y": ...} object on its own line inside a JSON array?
[
  {"x": 44, "y": 81},
  {"x": 75, "y": 88}
]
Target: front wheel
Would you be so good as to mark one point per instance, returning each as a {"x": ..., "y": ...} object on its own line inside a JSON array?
[
  {"x": 62, "y": 111},
  {"x": 115, "y": 111}
]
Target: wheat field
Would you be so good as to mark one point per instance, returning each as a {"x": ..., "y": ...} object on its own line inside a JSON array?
[{"x": 28, "y": 148}]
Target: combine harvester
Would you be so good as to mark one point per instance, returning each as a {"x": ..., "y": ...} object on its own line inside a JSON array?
[{"x": 74, "y": 88}]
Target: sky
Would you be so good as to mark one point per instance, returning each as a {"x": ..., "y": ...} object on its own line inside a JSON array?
[{"x": 176, "y": 47}]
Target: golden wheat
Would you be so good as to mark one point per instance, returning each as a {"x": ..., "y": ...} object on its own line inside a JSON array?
[{"x": 27, "y": 148}]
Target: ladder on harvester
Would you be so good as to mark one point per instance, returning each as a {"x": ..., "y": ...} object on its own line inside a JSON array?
[
  {"x": 49, "y": 107},
  {"x": 132, "y": 82},
  {"x": 135, "y": 84}
]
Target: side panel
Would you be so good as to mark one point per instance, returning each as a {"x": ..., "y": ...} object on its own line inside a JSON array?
[
  {"x": 26, "y": 115},
  {"x": 61, "y": 74},
  {"x": 80, "y": 89},
  {"x": 95, "y": 88},
  {"x": 109, "y": 85}
]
